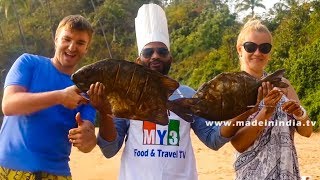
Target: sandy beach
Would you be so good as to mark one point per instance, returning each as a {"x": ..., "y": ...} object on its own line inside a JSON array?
[{"x": 212, "y": 165}]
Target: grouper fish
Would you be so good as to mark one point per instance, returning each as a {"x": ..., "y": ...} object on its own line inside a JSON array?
[
  {"x": 133, "y": 91},
  {"x": 225, "y": 96}
]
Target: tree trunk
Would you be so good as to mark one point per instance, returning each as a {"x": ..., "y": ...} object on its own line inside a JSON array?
[
  {"x": 51, "y": 22},
  {"x": 1, "y": 33},
  {"x": 252, "y": 11},
  {"x": 102, "y": 29},
  {"x": 23, "y": 39}
]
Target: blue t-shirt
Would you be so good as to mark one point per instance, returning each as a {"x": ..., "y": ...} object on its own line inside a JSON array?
[{"x": 39, "y": 141}]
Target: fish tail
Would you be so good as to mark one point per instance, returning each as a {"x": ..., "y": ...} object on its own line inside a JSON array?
[
  {"x": 162, "y": 120},
  {"x": 183, "y": 108},
  {"x": 170, "y": 84},
  {"x": 275, "y": 79}
]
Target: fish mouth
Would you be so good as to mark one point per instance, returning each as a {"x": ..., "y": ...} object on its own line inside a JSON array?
[
  {"x": 73, "y": 77},
  {"x": 82, "y": 87}
]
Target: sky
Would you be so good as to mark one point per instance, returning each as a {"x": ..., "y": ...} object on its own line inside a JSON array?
[{"x": 269, "y": 3}]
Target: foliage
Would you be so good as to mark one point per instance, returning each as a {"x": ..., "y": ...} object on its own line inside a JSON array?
[
  {"x": 290, "y": 35},
  {"x": 304, "y": 73},
  {"x": 296, "y": 48},
  {"x": 312, "y": 104},
  {"x": 202, "y": 33}
]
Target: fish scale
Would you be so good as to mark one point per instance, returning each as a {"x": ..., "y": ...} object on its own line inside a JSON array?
[
  {"x": 133, "y": 91},
  {"x": 224, "y": 97}
]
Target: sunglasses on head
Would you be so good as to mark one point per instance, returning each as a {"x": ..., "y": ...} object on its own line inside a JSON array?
[
  {"x": 251, "y": 47},
  {"x": 148, "y": 52}
]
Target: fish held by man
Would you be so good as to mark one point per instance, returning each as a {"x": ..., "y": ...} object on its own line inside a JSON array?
[
  {"x": 225, "y": 96},
  {"x": 133, "y": 91}
]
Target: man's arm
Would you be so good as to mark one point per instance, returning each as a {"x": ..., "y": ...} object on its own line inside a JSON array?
[
  {"x": 233, "y": 126},
  {"x": 214, "y": 136},
  {"x": 209, "y": 133},
  {"x": 111, "y": 148},
  {"x": 17, "y": 101},
  {"x": 111, "y": 131}
]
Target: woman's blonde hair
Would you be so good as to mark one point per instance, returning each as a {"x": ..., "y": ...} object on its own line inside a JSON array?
[{"x": 250, "y": 26}]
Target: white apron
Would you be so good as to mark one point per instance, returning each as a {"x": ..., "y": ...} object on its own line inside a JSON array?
[{"x": 156, "y": 152}]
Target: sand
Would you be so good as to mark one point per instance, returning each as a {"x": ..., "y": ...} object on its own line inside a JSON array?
[{"x": 211, "y": 164}]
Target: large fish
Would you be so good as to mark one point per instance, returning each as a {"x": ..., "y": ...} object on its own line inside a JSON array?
[
  {"x": 134, "y": 91},
  {"x": 225, "y": 96}
]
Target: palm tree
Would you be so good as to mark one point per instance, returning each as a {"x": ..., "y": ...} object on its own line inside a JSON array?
[{"x": 244, "y": 5}]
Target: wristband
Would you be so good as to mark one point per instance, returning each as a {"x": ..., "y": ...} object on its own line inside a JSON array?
[{"x": 303, "y": 116}]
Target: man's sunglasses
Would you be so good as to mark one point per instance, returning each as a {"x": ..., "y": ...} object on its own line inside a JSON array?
[
  {"x": 148, "y": 52},
  {"x": 251, "y": 47}
]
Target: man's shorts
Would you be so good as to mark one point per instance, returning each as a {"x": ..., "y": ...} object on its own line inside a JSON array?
[{"x": 10, "y": 174}]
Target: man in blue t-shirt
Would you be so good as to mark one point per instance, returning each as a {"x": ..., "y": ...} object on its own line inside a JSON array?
[{"x": 44, "y": 111}]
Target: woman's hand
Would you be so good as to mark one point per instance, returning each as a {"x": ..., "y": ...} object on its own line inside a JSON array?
[{"x": 293, "y": 107}]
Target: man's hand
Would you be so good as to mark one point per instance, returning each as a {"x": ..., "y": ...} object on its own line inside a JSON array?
[
  {"x": 71, "y": 97},
  {"x": 98, "y": 98},
  {"x": 83, "y": 137}
]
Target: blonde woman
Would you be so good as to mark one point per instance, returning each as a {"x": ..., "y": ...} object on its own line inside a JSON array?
[{"x": 266, "y": 147}]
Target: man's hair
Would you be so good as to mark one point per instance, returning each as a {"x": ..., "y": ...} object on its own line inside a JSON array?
[
  {"x": 75, "y": 22},
  {"x": 250, "y": 26}
]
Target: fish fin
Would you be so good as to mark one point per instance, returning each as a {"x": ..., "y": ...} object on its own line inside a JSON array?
[
  {"x": 157, "y": 119},
  {"x": 249, "y": 111},
  {"x": 171, "y": 84},
  {"x": 183, "y": 108},
  {"x": 160, "y": 117},
  {"x": 280, "y": 84},
  {"x": 161, "y": 120},
  {"x": 276, "y": 79}
]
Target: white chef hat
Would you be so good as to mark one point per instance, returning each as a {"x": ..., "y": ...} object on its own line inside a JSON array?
[{"x": 151, "y": 26}]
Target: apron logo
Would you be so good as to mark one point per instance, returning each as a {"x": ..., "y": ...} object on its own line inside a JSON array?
[{"x": 154, "y": 134}]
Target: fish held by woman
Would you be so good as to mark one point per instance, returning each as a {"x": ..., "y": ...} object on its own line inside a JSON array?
[
  {"x": 133, "y": 91},
  {"x": 225, "y": 96}
]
